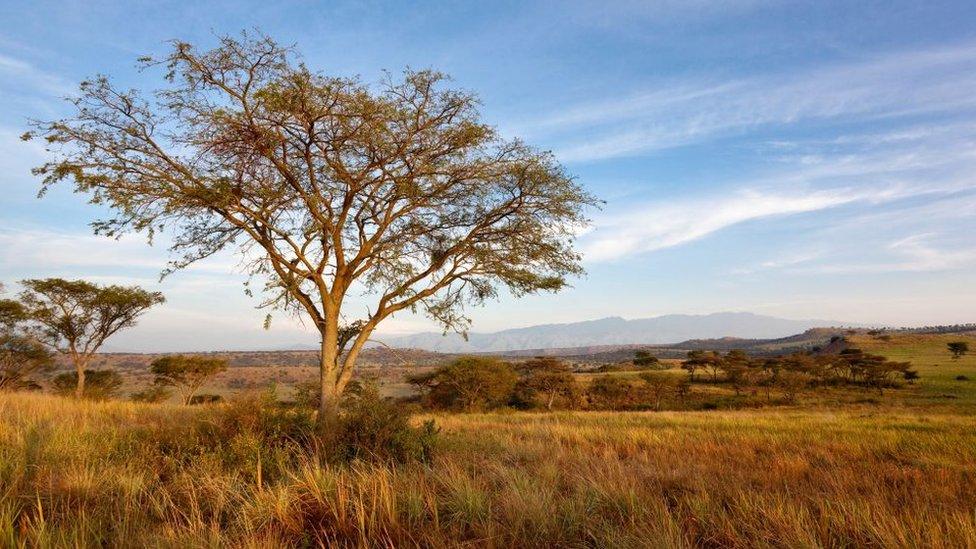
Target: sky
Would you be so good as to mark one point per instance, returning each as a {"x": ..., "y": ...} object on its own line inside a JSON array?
[{"x": 796, "y": 159}]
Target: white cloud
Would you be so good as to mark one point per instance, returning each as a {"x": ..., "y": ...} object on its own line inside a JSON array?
[
  {"x": 31, "y": 251},
  {"x": 663, "y": 225},
  {"x": 915, "y": 253},
  {"x": 684, "y": 112},
  {"x": 23, "y": 73}
]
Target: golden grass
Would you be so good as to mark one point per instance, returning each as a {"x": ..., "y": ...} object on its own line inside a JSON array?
[{"x": 121, "y": 474}]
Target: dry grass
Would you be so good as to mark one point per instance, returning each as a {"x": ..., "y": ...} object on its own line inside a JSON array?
[{"x": 120, "y": 474}]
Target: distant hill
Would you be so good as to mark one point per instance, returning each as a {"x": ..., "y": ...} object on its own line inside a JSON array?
[{"x": 659, "y": 330}]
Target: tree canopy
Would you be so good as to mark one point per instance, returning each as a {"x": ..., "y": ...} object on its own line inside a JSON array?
[
  {"x": 187, "y": 373},
  {"x": 327, "y": 184},
  {"x": 75, "y": 317}
]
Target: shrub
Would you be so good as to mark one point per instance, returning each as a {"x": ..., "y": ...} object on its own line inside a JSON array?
[
  {"x": 21, "y": 359},
  {"x": 468, "y": 383},
  {"x": 611, "y": 393},
  {"x": 99, "y": 384},
  {"x": 548, "y": 389},
  {"x": 206, "y": 398},
  {"x": 372, "y": 428},
  {"x": 186, "y": 373},
  {"x": 152, "y": 394},
  {"x": 660, "y": 387},
  {"x": 958, "y": 348}
]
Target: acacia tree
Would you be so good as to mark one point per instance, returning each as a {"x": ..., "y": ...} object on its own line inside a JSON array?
[
  {"x": 21, "y": 356},
  {"x": 75, "y": 317},
  {"x": 187, "y": 373},
  {"x": 958, "y": 348},
  {"x": 398, "y": 191}
]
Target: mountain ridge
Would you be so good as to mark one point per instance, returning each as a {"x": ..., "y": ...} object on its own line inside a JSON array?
[{"x": 615, "y": 330}]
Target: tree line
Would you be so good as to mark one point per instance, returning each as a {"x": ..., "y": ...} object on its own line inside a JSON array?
[{"x": 483, "y": 383}]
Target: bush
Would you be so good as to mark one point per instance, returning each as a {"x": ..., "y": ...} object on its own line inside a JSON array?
[
  {"x": 372, "y": 428},
  {"x": 205, "y": 398},
  {"x": 152, "y": 394},
  {"x": 99, "y": 384},
  {"x": 547, "y": 389},
  {"x": 468, "y": 383},
  {"x": 612, "y": 393}
]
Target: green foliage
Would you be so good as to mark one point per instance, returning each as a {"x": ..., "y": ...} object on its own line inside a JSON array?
[
  {"x": 958, "y": 348},
  {"x": 372, "y": 428},
  {"x": 468, "y": 383},
  {"x": 663, "y": 387},
  {"x": 99, "y": 384},
  {"x": 644, "y": 359},
  {"x": 75, "y": 317},
  {"x": 206, "y": 398},
  {"x": 548, "y": 389},
  {"x": 152, "y": 394},
  {"x": 22, "y": 356},
  {"x": 186, "y": 372},
  {"x": 612, "y": 393}
]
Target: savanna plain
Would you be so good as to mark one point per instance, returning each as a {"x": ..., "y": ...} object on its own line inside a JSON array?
[{"x": 835, "y": 468}]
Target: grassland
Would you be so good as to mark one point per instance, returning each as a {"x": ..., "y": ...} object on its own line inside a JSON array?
[{"x": 899, "y": 473}]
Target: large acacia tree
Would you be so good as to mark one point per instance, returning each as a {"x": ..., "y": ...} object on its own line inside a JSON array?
[{"x": 397, "y": 190}]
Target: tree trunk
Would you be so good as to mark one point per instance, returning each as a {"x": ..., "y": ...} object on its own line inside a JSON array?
[
  {"x": 329, "y": 389},
  {"x": 80, "y": 387}
]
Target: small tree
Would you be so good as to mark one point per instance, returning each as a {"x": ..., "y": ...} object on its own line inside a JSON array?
[
  {"x": 469, "y": 383},
  {"x": 644, "y": 359},
  {"x": 75, "y": 317},
  {"x": 21, "y": 356},
  {"x": 700, "y": 360},
  {"x": 549, "y": 380},
  {"x": 186, "y": 373},
  {"x": 793, "y": 383},
  {"x": 609, "y": 392},
  {"x": 660, "y": 386},
  {"x": 101, "y": 384},
  {"x": 958, "y": 349},
  {"x": 152, "y": 394}
]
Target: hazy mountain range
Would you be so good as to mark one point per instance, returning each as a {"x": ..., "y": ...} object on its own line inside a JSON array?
[{"x": 614, "y": 331}]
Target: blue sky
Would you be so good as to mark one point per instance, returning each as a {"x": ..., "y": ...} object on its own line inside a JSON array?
[{"x": 799, "y": 159}]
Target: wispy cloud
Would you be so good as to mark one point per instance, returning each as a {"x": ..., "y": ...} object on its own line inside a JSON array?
[
  {"x": 31, "y": 251},
  {"x": 663, "y": 225},
  {"x": 26, "y": 75},
  {"x": 916, "y": 253},
  {"x": 683, "y": 112}
]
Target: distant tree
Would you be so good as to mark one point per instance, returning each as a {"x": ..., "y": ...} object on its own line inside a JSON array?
[
  {"x": 737, "y": 367},
  {"x": 101, "y": 384},
  {"x": 660, "y": 386},
  {"x": 207, "y": 398},
  {"x": 793, "y": 383},
  {"x": 468, "y": 383},
  {"x": 400, "y": 189},
  {"x": 702, "y": 360},
  {"x": 551, "y": 381},
  {"x": 644, "y": 359},
  {"x": 910, "y": 375},
  {"x": 609, "y": 392},
  {"x": 542, "y": 364},
  {"x": 186, "y": 373},
  {"x": 958, "y": 349},
  {"x": 152, "y": 394},
  {"x": 75, "y": 317},
  {"x": 22, "y": 357}
]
